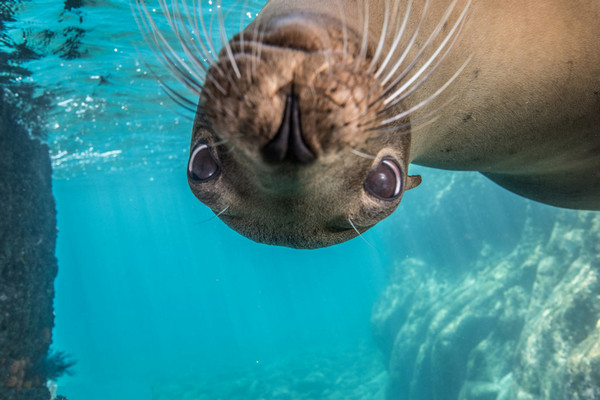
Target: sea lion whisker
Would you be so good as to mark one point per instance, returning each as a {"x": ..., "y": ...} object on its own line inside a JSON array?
[
  {"x": 206, "y": 90},
  {"x": 358, "y": 233},
  {"x": 225, "y": 40},
  {"x": 382, "y": 37},
  {"x": 178, "y": 69},
  {"x": 326, "y": 65},
  {"x": 363, "y": 113},
  {"x": 429, "y": 114},
  {"x": 344, "y": 30},
  {"x": 413, "y": 123},
  {"x": 214, "y": 81},
  {"x": 233, "y": 147},
  {"x": 249, "y": 72},
  {"x": 208, "y": 32},
  {"x": 433, "y": 96},
  {"x": 396, "y": 133},
  {"x": 231, "y": 80},
  {"x": 404, "y": 54},
  {"x": 222, "y": 211},
  {"x": 408, "y": 46},
  {"x": 178, "y": 98},
  {"x": 202, "y": 120},
  {"x": 424, "y": 79},
  {"x": 144, "y": 21},
  {"x": 253, "y": 60},
  {"x": 241, "y": 28},
  {"x": 259, "y": 50},
  {"x": 190, "y": 77},
  {"x": 360, "y": 115},
  {"x": 220, "y": 143},
  {"x": 403, "y": 131},
  {"x": 190, "y": 51},
  {"x": 380, "y": 129},
  {"x": 195, "y": 37},
  {"x": 207, "y": 93},
  {"x": 182, "y": 115},
  {"x": 212, "y": 217},
  {"x": 362, "y": 55},
  {"x": 200, "y": 26},
  {"x": 150, "y": 30},
  {"x": 173, "y": 94},
  {"x": 443, "y": 20},
  {"x": 229, "y": 113},
  {"x": 146, "y": 24},
  {"x": 413, "y": 128},
  {"x": 422, "y": 50},
  {"x": 187, "y": 80},
  {"x": 451, "y": 34},
  {"x": 363, "y": 155},
  {"x": 396, "y": 41}
]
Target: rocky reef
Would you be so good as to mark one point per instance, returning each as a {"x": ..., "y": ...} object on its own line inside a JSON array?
[
  {"x": 27, "y": 213},
  {"x": 27, "y": 262},
  {"x": 521, "y": 324},
  {"x": 335, "y": 374}
]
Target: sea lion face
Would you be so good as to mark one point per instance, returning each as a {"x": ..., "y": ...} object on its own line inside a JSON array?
[{"x": 283, "y": 146}]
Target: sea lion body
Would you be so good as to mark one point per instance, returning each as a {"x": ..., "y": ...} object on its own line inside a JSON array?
[
  {"x": 301, "y": 117},
  {"x": 527, "y": 108}
]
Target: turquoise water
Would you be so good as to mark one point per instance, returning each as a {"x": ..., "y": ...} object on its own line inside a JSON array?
[
  {"x": 151, "y": 292},
  {"x": 156, "y": 298}
]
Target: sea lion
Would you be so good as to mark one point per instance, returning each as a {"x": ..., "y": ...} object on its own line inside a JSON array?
[{"x": 309, "y": 118}]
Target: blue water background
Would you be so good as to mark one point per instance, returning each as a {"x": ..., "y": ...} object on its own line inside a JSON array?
[
  {"x": 153, "y": 291},
  {"x": 149, "y": 292}
]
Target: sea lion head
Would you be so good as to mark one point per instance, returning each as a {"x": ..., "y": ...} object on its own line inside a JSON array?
[{"x": 286, "y": 147}]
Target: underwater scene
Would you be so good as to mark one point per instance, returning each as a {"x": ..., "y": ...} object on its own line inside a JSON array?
[{"x": 467, "y": 291}]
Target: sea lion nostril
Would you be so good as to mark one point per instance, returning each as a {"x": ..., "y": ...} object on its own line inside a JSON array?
[{"x": 288, "y": 144}]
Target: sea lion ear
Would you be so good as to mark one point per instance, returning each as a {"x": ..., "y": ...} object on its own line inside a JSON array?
[{"x": 412, "y": 182}]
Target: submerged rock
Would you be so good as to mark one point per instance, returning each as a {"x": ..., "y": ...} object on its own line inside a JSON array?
[
  {"x": 27, "y": 263},
  {"x": 520, "y": 326}
]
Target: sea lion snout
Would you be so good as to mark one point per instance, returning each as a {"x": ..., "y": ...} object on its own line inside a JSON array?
[{"x": 288, "y": 144}]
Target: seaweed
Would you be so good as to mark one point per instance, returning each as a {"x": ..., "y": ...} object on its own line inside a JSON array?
[{"x": 54, "y": 365}]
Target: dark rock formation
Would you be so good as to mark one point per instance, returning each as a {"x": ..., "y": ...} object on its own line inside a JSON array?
[
  {"x": 523, "y": 325},
  {"x": 27, "y": 214},
  {"x": 27, "y": 262}
]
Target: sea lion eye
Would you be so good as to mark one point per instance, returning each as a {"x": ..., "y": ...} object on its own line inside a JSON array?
[
  {"x": 202, "y": 165},
  {"x": 385, "y": 181}
]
